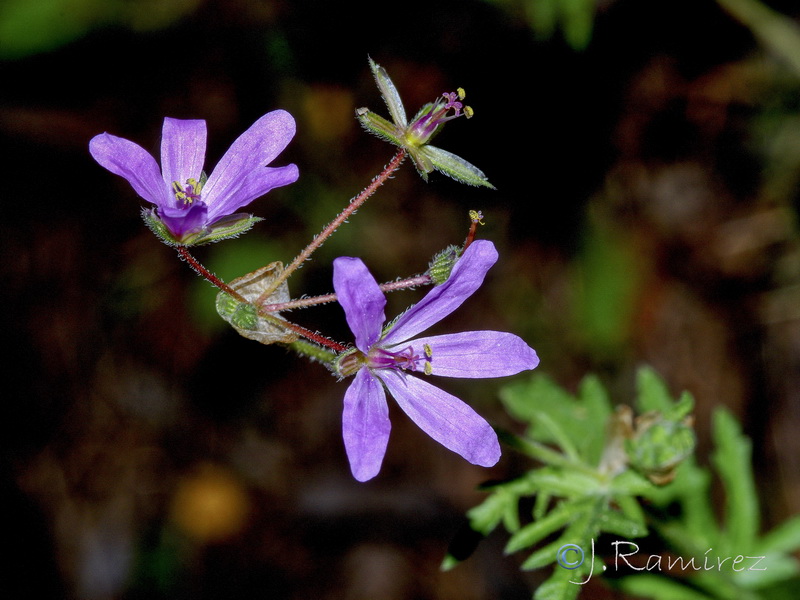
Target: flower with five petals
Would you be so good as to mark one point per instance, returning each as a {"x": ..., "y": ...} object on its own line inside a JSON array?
[
  {"x": 385, "y": 358},
  {"x": 191, "y": 208}
]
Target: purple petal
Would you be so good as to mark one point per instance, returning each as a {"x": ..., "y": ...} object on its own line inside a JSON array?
[
  {"x": 477, "y": 354},
  {"x": 131, "y": 161},
  {"x": 361, "y": 299},
  {"x": 365, "y": 425},
  {"x": 254, "y": 185},
  {"x": 253, "y": 150},
  {"x": 466, "y": 277},
  {"x": 183, "y": 150},
  {"x": 444, "y": 417},
  {"x": 182, "y": 221}
]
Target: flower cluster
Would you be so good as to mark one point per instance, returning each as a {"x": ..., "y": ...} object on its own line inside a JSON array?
[
  {"x": 384, "y": 357},
  {"x": 190, "y": 208}
]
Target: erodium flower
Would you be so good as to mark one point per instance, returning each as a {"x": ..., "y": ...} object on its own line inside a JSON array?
[
  {"x": 191, "y": 208},
  {"x": 415, "y": 137},
  {"x": 391, "y": 358}
]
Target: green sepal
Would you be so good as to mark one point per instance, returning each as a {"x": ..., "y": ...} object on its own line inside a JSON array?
[
  {"x": 390, "y": 94},
  {"x": 454, "y": 166},
  {"x": 157, "y": 226},
  {"x": 378, "y": 126},
  {"x": 225, "y": 228}
]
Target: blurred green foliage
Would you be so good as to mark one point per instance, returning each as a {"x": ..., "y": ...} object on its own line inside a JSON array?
[
  {"x": 32, "y": 26},
  {"x": 594, "y": 483},
  {"x": 574, "y": 18}
]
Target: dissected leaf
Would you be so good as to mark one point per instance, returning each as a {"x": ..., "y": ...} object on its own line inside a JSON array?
[{"x": 732, "y": 461}]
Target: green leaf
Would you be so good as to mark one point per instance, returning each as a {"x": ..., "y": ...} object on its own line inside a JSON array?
[
  {"x": 783, "y": 538},
  {"x": 758, "y": 573},
  {"x": 488, "y": 514},
  {"x": 653, "y": 394},
  {"x": 567, "y": 483},
  {"x": 525, "y": 398},
  {"x": 555, "y": 416},
  {"x": 562, "y": 585},
  {"x": 594, "y": 407},
  {"x": 532, "y": 533},
  {"x": 732, "y": 461},
  {"x": 630, "y": 483},
  {"x": 612, "y": 521},
  {"x": 656, "y": 587}
]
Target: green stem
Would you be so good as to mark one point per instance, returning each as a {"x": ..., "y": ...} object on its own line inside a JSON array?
[{"x": 313, "y": 352}]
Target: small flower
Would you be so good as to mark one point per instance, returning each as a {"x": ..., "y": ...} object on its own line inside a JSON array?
[
  {"x": 415, "y": 137},
  {"x": 384, "y": 357},
  {"x": 191, "y": 208}
]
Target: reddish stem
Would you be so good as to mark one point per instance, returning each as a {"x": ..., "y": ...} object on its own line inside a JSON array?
[{"x": 208, "y": 275}]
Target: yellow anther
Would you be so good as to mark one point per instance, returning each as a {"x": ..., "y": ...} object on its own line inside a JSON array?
[
  {"x": 468, "y": 112},
  {"x": 428, "y": 351},
  {"x": 461, "y": 93},
  {"x": 428, "y": 368},
  {"x": 475, "y": 216}
]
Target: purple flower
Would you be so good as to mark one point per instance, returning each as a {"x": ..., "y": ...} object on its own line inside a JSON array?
[
  {"x": 190, "y": 208},
  {"x": 384, "y": 357}
]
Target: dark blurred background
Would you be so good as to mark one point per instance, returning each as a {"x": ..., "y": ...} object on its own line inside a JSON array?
[{"x": 647, "y": 160}]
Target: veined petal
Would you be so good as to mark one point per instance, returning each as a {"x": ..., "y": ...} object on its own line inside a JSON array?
[
  {"x": 129, "y": 160},
  {"x": 444, "y": 417},
  {"x": 254, "y": 149},
  {"x": 466, "y": 277},
  {"x": 477, "y": 354},
  {"x": 361, "y": 298},
  {"x": 252, "y": 186},
  {"x": 183, "y": 221},
  {"x": 183, "y": 149},
  {"x": 365, "y": 425}
]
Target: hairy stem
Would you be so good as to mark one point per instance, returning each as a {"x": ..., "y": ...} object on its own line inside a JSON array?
[
  {"x": 208, "y": 275},
  {"x": 324, "y": 299},
  {"x": 354, "y": 205}
]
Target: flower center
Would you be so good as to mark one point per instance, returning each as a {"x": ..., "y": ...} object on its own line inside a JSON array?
[
  {"x": 407, "y": 359},
  {"x": 434, "y": 115},
  {"x": 188, "y": 193}
]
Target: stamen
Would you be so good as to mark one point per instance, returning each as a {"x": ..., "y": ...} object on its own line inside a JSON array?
[
  {"x": 407, "y": 359},
  {"x": 428, "y": 368},
  {"x": 189, "y": 193}
]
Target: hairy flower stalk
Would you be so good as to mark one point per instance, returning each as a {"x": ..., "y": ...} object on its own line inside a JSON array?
[
  {"x": 390, "y": 358},
  {"x": 352, "y": 207}
]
